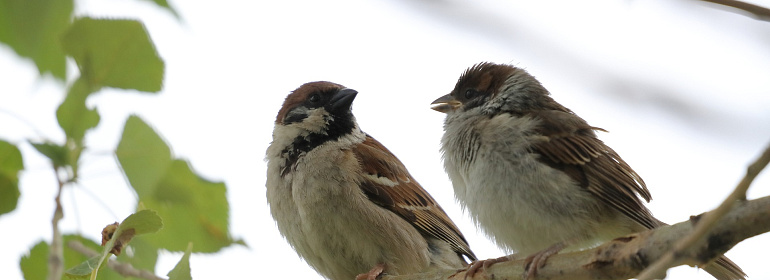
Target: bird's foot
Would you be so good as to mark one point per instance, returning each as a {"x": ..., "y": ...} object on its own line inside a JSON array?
[
  {"x": 481, "y": 266},
  {"x": 373, "y": 273},
  {"x": 537, "y": 260}
]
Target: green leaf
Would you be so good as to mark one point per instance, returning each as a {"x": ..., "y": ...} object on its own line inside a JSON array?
[
  {"x": 144, "y": 255},
  {"x": 32, "y": 28},
  {"x": 194, "y": 210},
  {"x": 114, "y": 53},
  {"x": 142, "y": 222},
  {"x": 84, "y": 269},
  {"x": 182, "y": 269},
  {"x": 34, "y": 266},
  {"x": 73, "y": 258},
  {"x": 73, "y": 116},
  {"x": 143, "y": 156},
  {"x": 57, "y": 154},
  {"x": 10, "y": 166},
  {"x": 164, "y": 4}
]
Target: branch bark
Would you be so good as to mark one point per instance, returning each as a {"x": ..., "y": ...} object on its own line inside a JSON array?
[
  {"x": 710, "y": 219},
  {"x": 56, "y": 255},
  {"x": 626, "y": 257},
  {"x": 755, "y": 11}
]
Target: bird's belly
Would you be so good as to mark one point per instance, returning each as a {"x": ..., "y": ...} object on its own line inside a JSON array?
[
  {"x": 526, "y": 214},
  {"x": 343, "y": 238}
]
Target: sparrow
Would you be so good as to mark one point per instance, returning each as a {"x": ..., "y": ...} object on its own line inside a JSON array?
[
  {"x": 344, "y": 202},
  {"x": 534, "y": 175}
]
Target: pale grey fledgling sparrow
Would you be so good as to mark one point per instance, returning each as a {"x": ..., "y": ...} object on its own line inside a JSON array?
[
  {"x": 533, "y": 175},
  {"x": 344, "y": 202}
]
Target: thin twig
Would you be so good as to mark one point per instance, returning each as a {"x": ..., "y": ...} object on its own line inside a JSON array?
[
  {"x": 29, "y": 124},
  {"x": 95, "y": 198},
  {"x": 56, "y": 255},
  {"x": 124, "y": 269},
  {"x": 758, "y": 12},
  {"x": 707, "y": 222}
]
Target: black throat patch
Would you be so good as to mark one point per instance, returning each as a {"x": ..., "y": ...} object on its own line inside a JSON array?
[{"x": 338, "y": 127}]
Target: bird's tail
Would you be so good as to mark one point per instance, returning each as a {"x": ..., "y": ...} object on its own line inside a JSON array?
[
  {"x": 725, "y": 269},
  {"x": 722, "y": 268}
]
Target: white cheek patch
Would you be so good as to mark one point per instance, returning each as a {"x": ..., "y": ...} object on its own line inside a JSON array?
[
  {"x": 317, "y": 121},
  {"x": 283, "y": 135}
]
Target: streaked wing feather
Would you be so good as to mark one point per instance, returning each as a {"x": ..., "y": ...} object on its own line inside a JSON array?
[
  {"x": 573, "y": 147},
  {"x": 406, "y": 197}
]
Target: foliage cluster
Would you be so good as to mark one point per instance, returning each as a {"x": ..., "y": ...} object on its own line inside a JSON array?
[{"x": 181, "y": 206}]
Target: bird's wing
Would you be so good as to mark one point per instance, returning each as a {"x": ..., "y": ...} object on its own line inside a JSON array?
[
  {"x": 571, "y": 145},
  {"x": 390, "y": 186}
]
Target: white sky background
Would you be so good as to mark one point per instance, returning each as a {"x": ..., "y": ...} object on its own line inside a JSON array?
[{"x": 682, "y": 87}]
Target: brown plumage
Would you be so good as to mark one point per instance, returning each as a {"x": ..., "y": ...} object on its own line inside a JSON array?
[
  {"x": 573, "y": 147},
  {"x": 407, "y": 198},
  {"x": 534, "y": 175},
  {"x": 344, "y": 202}
]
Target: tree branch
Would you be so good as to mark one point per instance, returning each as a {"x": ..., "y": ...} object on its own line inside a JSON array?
[
  {"x": 626, "y": 257},
  {"x": 709, "y": 220},
  {"x": 124, "y": 269},
  {"x": 756, "y": 11},
  {"x": 56, "y": 255}
]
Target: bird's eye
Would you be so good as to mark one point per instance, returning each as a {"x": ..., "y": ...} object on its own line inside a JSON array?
[
  {"x": 315, "y": 98},
  {"x": 470, "y": 93}
]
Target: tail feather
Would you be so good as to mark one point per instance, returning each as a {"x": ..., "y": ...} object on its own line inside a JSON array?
[
  {"x": 725, "y": 269},
  {"x": 722, "y": 268}
]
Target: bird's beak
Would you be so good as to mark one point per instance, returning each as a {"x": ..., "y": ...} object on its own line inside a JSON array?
[
  {"x": 342, "y": 100},
  {"x": 445, "y": 104}
]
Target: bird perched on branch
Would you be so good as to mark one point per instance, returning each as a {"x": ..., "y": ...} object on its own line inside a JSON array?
[
  {"x": 533, "y": 175},
  {"x": 344, "y": 202}
]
